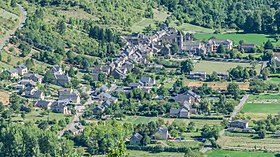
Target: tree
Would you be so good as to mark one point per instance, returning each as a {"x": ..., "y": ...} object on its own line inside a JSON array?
[
  {"x": 233, "y": 89},
  {"x": 210, "y": 132},
  {"x": 265, "y": 73},
  {"x": 187, "y": 66},
  {"x": 205, "y": 105},
  {"x": 221, "y": 49},
  {"x": 262, "y": 133},
  {"x": 120, "y": 151},
  {"x": 71, "y": 72},
  {"x": 48, "y": 77},
  {"x": 146, "y": 140},
  {"x": 174, "y": 48},
  {"x": 148, "y": 30},
  {"x": 268, "y": 45},
  {"x": 192, "y": 153},
  {"x": 61, "y": 26}
]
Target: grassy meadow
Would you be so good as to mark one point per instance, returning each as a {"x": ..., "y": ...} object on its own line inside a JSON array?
[
  {"x": 198, "y": 122},
  {"x": 136, "y": 153},
  {"x": 8, "y": 22},
  {"x": 258, "y": 39},
  {"x": 229, "y": 153},
  {"x": 187, "y": 27},
  {"x": 211, "y": 66},
  {"x": 249, "y": 144},
  {"x": 159, "y": 16},
  {"x": 35, "y": 115},
  {"x": 260, "y": 106}
]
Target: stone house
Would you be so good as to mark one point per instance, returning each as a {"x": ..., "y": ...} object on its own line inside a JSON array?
[
  {"x": 213, "y": 44},
  {"x": 147, "y": 81},
  {"x": 13, "y": 73},
  {"x": 45, "y": 104},
  {"x": 223, "y": 75},
  {"x": 247, "y": 47},
  {"x": 179, "y": 113},
  {"x": 34, "y": 93},
  {"x": 193, "y": 47},
  {"x": 61, "y": 79},
  {"x": 242, "y": 124},
  {"x": 198, "y": 75},
  {"x": 22, "y": 69},
  {"x": 136, "y": 139},
  {"x": 69, "y": 94},
  {"x": 60, "y": 107},
  {"x": 162, "y": 134}
]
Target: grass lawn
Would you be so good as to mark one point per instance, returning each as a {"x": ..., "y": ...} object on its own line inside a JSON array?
[
  {"x": 144, "y": 22},
  {"x": 136, "y": 153},
  {"x": 223, "y": 153},
  {"x": 260, "y": 106},
  {"x": 35, "y": 115},
  {"x": 258, "y": 39},
  {"x": 142, "y": 119},
  {"x": 210, "y": 66},
  {"x": 273, "y": 80},
  {"x": 186, "y": 27}
]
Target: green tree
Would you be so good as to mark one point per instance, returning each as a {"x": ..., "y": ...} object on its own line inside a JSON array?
[
  {"x": 262, "y": 133},
  {"x": 174, "y": 48},
  {"x": 61, "y": 26},
  {"x": 48, "y": 77},
  {"x": 187, "y": 66},
  {"x": 71, "y": 72},
  {"x": 192, "y": 153},
  {"x": 148, "y": 30},
  {"x": 221, "y": 49},
  {"x": 268, "y": 45},
  {"x": 119, "y": 151},
  {"x": 233, "y": 89}
]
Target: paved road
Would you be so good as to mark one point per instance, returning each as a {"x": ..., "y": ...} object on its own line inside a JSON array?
[
  {"x": 75, "y": 120},
  {"x": 79, "y": 112},
  {"x": 22, "y": 19},
  {"x": 239, "y": 106}
]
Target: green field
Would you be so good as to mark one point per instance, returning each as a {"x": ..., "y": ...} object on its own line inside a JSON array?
[
  {"x": 135, "y": 153},
  {"x": 35, "y": 115},
  {"x": 223, "y": 153},
  {"x": 260, "y": 106},
  {"x": 199, "y": 123},
  {"x": 258, "y": 39},
  {"x": 159, "y": 16},
  {"x": 273, "y": 80},
  {"x": 186, "y": 27},
  {"x": 8, "y": 22},
  {"x": 211, "y": 66}
]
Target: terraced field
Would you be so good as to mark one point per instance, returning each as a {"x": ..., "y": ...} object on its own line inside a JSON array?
[
  {"x": 8, "y": 22},
  {"x": 249, "y": 144}
]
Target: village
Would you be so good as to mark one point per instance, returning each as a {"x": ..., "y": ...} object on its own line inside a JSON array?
[{"x": 138, "y": 50}]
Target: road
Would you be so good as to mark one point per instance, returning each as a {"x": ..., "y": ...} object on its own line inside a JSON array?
[
  {"x": 239, "y": 106},
  {"x": 79, "y": 112},
  {"x": 75, "y": 120},
  {"x": 22, "y": 19}
]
